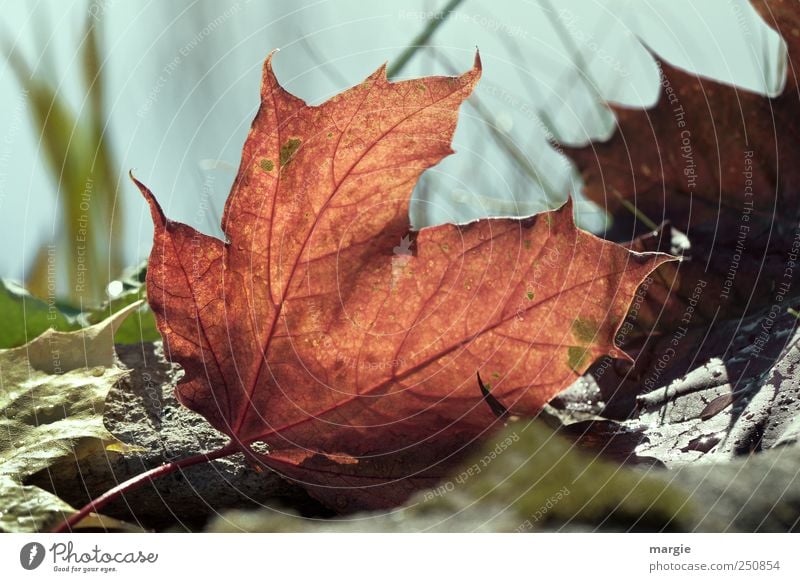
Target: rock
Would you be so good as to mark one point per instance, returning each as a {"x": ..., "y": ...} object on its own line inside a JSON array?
[
  {"x": 757, "y": 493},
  {"x": 540, "y": 481},
  {"x": 142, "y": 412},
  {"x": 526, "y": 478},
  {"x": 529, "y": 479}
]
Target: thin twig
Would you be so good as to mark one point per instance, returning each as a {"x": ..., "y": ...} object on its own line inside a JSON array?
[
  {"x": 421, "y": 39},
  {"x": 142, "y": 479},
  {"x": 505, "y": 142}
]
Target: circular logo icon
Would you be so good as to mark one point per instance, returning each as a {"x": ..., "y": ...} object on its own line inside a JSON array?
[{"x": 31, "y": 555}]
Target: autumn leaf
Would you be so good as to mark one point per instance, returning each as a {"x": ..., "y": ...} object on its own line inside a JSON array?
[
  {"x": 697, "y": 395},
  {"x": 716, "y": 279},
  {"x": 51, "y": 409},
  {"x": 662, "y": 297},
  {"x": 685, "y": 160},
  {"x": 355, "y": 364},
  {"x": 718, "y": 163},
  {"x": 25, "y": 316}
]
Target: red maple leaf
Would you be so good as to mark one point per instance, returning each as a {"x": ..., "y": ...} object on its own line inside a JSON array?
[{"x": 357, "y": 366}]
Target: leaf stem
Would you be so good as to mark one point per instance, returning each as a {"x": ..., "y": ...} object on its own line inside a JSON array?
[
  {"x": 630, "y": 207},
  {"x": 137, "y": 481}
]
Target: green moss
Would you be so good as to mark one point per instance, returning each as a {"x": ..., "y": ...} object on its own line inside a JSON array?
[
  {"x": 538, "y": 477},
  {"x": 524, "y": 478}
]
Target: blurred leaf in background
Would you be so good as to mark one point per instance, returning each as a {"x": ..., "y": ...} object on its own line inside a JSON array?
[
  {"x": 25, "y": 317},
  {"x": 139, "y": 327},
  {"x": 78, "y": 156}
]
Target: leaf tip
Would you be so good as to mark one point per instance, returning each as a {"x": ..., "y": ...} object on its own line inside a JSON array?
[
  {"x": 619, "y": 354},
  {"x": 155, "y": 208},
  {"x": 496, "y": 407},
  {"x": 471, "y": 77},
  {"x": 268, "y": 60},
  {"x": 114, "y": 320},
  {"x": 268, "y": 79},
  {"x": 477, "y": 65},
  {"x": 569, "y": 204},
  {"x": 659, "y": 258}
]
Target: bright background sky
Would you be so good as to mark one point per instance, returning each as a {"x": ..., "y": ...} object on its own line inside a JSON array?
[{"x": 181, "y": 126}]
